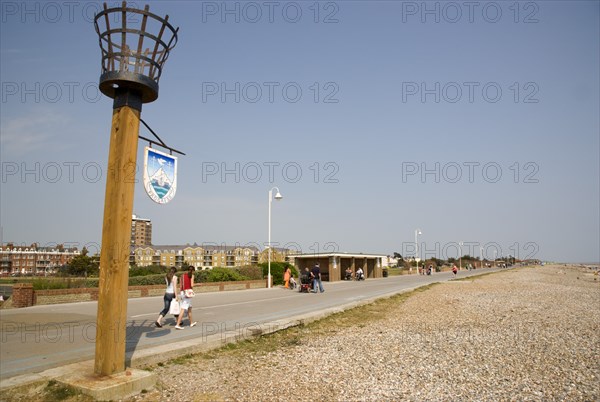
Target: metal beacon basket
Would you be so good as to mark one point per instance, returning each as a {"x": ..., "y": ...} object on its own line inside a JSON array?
[{"x": 133, "y": 56}]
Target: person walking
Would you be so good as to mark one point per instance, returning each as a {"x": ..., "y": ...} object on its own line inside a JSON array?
[
  {"x": 187, "y": 292},
  {"x": 316, "y": 272},
  {"x": 171, "y": 280},
  {"x": 454, "y": 270}
]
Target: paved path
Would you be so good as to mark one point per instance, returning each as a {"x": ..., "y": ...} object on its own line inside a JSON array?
[{"x": 42, "y": 337}]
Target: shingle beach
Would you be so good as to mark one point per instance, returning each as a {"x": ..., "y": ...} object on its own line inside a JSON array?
[{"x": 523, "y": 334}]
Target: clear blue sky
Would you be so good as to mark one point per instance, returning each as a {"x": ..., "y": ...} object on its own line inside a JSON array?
[{"x": 474, "y": 123}]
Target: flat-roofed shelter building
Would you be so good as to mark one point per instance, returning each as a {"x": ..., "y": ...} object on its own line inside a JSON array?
[{"x": 334, "y": 265}]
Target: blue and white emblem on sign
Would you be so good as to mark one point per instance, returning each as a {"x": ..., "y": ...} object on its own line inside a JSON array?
[{"x": 160, "y": 175}]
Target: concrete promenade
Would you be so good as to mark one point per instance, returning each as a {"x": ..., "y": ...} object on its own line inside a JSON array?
[{"x": 43, "y": 339}]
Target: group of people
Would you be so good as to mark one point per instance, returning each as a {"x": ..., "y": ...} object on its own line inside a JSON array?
[
  {"x": 313, "y": 277},
  {"x": 359, "y": 275},
  {"x": 429, "y": 270},
  {"x": 186, "y": 289},
  {"x": 426, "y": 271},
  {"x": 184, "y": 297}
]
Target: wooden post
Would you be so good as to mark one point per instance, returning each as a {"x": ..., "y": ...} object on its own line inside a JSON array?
[{"x": 111, "y": 322}]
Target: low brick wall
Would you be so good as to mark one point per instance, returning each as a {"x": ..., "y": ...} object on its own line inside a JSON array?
[
  {"x": 57, "y": 296},
  {"x": 25, "y": 296}
]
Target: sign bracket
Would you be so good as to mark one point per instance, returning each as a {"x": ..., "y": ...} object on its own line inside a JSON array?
[{"x": 160, "y": 143}]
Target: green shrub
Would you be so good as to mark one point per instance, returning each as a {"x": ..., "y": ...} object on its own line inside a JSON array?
[
  {"x": 252, "y": 272},
  {"x": 149, "y": 270},
  {"x": 157, "y": 279},
  {"x": 44, "y": 284},
  {"x": 201, "y": 276},
  {"x": 63, "y": 283},
  {"x": 224, "y": 275},
  {"x": 91, "y": 283},
  {"x": 277, "y": 269}
]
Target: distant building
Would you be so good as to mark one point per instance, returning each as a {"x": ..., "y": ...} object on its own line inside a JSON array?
[
  {"x": 205, "y": 256},
  {"x": 277, "y": 255},
  {"x": 34, "y": 260},
  {"x": 141, "y": 231},
  {"x": 389, "y": 261}
]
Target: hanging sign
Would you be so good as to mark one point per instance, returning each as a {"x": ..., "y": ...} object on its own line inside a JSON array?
[{"x": 160, "y": 175}]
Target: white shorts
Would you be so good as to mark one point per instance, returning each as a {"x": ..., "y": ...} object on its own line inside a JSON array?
[{"x": 186, "y": 302}]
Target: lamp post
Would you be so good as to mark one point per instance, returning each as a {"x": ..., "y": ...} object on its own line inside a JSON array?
[
  {"x": 460, "y": 244},
  {"x": 417, "y": 233},
  {"x": 133, "y": 55},
  {"x": 481, "y": 255},
  {"x": 278, "y": 196}
]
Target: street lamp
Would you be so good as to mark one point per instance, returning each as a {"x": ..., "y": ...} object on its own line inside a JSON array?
[
  {"x": 417, "y": 233},
  {"x": 278, "y": 196},
  {"x": 481, "y": 255},
  {"x": 460, "y": 244}
]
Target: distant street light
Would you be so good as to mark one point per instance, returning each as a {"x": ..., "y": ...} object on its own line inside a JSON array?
[
  {"x": 481, "y": 255},
  {"x": 278, "y": 196},
  {"x": 460, "y": 244},
  {"x": 417, "y": 233}
]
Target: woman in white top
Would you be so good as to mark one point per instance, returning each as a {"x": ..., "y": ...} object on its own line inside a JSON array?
[{"x": 170, "y": 294}]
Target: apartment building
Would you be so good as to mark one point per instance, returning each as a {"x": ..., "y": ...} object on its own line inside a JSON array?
[
  {"x": 141, "y": 231},
  {"x": 209, "y": 256},
  {"x": 277, "y": 255},
  {"x": 205, "y": 256},
  {"x": 33, "y": 259}
]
